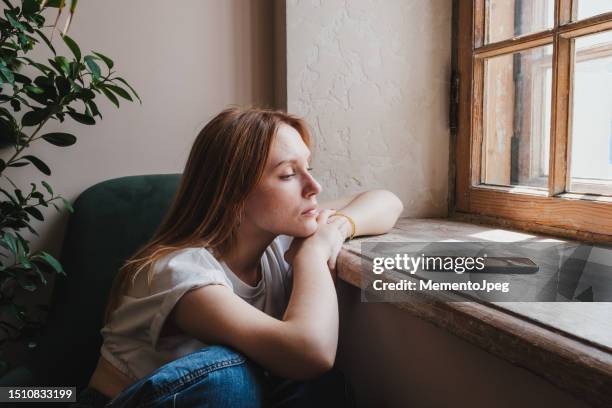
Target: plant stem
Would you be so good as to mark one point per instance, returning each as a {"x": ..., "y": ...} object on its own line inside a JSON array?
[{"x": 19, "y": 149}]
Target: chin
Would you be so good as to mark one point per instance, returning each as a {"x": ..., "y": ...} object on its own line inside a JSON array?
[{"x": 305, "y": 229}]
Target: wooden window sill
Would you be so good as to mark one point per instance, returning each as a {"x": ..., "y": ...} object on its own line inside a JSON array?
[{"x": 553, "y": 340}]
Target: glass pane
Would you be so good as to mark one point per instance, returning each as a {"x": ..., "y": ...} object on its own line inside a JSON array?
[
  {"x": 591, "y": 132},
  {"x": 516, "y": 118},
  {"x": 506, "y": 19},
  {"x": 589, "y": 8}
]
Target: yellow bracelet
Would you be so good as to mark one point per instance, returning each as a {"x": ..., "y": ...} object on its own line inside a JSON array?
[{"x": 350, "y": 220}]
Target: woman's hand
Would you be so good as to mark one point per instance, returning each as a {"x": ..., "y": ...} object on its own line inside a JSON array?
[{"x": 327, "y": 240}]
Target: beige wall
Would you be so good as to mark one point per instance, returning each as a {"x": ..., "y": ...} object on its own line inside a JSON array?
[
  {"x": 188, "y": 60},
  {"x": 372, "y": 79}
]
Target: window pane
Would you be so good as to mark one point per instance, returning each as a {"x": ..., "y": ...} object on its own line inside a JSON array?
[
  {"x": 591, "y": 133},
  {"x": 506, "y": 19},
  {"x": 516, "y": 118},
  {"x": 589, "y": 8}
]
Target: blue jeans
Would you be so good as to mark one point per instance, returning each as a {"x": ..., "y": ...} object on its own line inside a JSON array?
[{"x": 219, "y": 376}]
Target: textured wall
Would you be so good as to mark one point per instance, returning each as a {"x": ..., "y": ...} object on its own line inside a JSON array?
[{"x": 372, "y": 79}]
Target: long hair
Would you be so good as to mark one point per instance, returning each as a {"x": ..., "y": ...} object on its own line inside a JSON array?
[{"x": 226, "y": 162}]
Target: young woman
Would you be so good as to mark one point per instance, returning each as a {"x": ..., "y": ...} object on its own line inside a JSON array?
[{"x": 232, "y": 302}]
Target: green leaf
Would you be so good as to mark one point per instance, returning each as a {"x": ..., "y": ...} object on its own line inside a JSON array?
[
  {"x": 41, "y": 67},
  {"x": 67, "y": 204},
  {"x": 30, "y": 6},
  {"x": 62, "y": 85},
  {"x": 34, "y": 89},
  {"x": 46, "y": 40},
  {"x": 16, "y": 105},
  {"x": 26, "y": 283},
  {"x": 63, "y": 64},
  {"x": 54, "y": 263},
  {"x": 94, "y": 108},
  {"x": 19, "y": 196},
  {"x": 47, "y": 186},
  {"x": 129, "y": 86},
  {"x": 110, "y": 95},
  {"x": 24, "y": 41},
  {"x": 109, "y": 62},
  {"x": 18, "y": 164},
  {"x": 14, "y": 22},
  {"x": 55, "y": 3},
  {"x": 81, "y": 118},
  {"x": 34, "y": 117},
  {"x": 73, "y": 47},
  {"x": 32, "y": 230},
  {"x": 7, "y": 74},
  {"x": 86, "y": 94},
  {"x": 60, "y": 139},
  {"x": 38, "y": 19},
  {"x": 39, "y": 273},
  {"x": 40, "y": 165},
  {"x": 22, "y": 78},
  {"x": 10, "y": 242},
  {"x": 24, "y": 261},
  {"x": 6, "y": 193},
  {"x": 74, "y": 69},
  {"x": 93, "y": 67},
  {"x": 120, "y": 91},
  {"x": 34, "y": 212}
]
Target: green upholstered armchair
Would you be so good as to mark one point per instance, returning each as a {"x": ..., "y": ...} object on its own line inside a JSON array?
[{"x": 111, "y": 220}]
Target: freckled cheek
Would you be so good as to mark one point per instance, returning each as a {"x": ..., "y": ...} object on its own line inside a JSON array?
[
  {"x": 274, "y": 206},
  {"x": 282, "y": 207}
]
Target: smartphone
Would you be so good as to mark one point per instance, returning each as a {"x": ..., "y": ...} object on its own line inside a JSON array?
[{"x": 509, "y": 265}]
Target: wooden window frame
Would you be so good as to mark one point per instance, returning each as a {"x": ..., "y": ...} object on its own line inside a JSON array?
[{"x": 582, "y": 216}]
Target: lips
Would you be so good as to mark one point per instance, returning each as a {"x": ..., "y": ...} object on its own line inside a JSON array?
[{"x": 310, "y": 210}]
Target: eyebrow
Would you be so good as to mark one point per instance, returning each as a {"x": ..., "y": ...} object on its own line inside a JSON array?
[{"x": 290, "y": 161}]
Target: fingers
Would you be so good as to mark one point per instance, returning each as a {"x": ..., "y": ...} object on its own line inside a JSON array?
[
  {"x": 324, "y": 215},
  {"x": 331, "y": 262}
]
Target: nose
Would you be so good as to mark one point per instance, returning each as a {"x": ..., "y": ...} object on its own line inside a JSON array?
[{"x": 312, "y": 187}]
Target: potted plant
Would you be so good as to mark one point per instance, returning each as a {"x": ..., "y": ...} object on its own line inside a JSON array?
[{"x": 59, "y": 88}]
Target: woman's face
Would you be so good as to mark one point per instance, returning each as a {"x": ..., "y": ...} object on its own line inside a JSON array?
[{"x": 286, "y": 189}]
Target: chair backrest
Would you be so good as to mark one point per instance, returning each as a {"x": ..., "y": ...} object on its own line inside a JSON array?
[{"x": 111, "y": 220}]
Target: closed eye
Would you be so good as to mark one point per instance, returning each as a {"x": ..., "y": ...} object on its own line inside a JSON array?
[{"x": 288, "y": 176}]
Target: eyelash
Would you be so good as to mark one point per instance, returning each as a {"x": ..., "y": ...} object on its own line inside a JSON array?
[{"x": 288, "y": 176}]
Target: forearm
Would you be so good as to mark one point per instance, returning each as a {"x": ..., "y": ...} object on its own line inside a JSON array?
[
  {"x": 313, "y": 306},
  {"x": 374, "y": 212}
]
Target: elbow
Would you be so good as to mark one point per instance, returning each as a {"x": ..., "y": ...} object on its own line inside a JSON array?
[
  {"x": 326, "y": 359},
  {"x": 319, "y": 364},
  {"x": 394, "y": 202},
  {"x": 399, "y": 205},
  {"x": 319, "y": 360}
]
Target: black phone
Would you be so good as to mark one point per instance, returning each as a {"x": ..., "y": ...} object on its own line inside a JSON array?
[{"x": 509, "y": 265}]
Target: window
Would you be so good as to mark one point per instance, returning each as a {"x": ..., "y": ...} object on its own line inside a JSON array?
[{"x": 534, "y": 140}]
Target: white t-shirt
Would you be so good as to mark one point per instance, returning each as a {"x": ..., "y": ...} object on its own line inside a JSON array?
[{"x": 131, "y": 337}]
